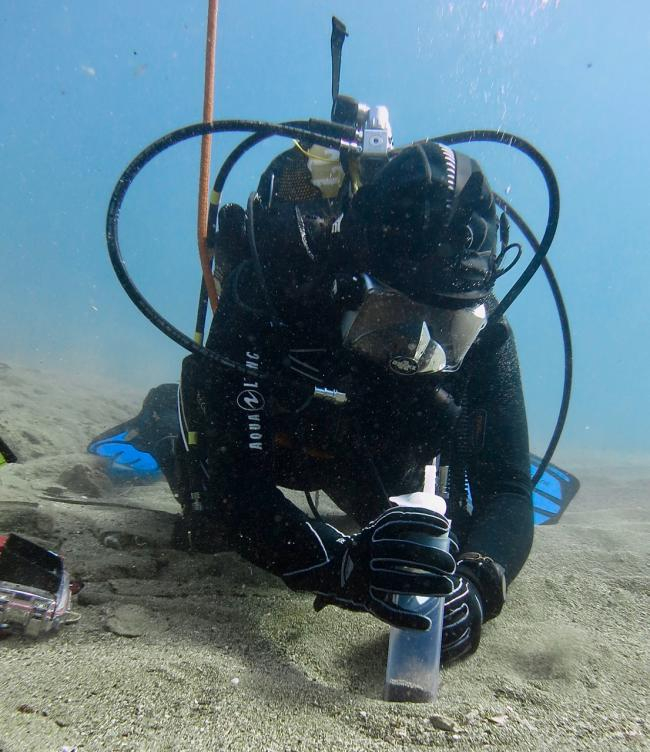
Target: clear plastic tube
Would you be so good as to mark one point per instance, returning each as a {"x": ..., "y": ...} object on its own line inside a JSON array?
[{"x": 413, "y": 666}]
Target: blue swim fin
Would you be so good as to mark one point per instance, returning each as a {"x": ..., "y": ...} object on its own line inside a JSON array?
[
  {"x": 553, "y": 492},
  {"x": 125, "y": 458},
  {"x": 143, "y": 447}
]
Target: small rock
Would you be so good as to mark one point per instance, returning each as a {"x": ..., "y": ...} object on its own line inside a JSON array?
[
  {"x": 234, "y": 681},
  {"x": 444, "y": 724},
  {"x": 121, "y": 541},
  {"x": 112, "y": 540}
]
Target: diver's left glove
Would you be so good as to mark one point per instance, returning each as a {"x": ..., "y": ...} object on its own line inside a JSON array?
[
  {"x": 478, "y": 595},
  {"x": 364, "y": 572}
]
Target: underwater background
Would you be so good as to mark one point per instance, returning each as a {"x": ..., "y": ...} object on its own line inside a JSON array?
[{"x": 86, "y": 86}]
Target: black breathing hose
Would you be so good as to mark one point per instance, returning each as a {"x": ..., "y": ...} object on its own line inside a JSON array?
[
  {"x": 213, "y": 210},
  {"x": 129, "y": 174},
  {"x": 566, "y": 336},
  {"x": 491, "y": 136},
  {"x": 540, "y": 249},
  {"x": 309, "y": 131}
]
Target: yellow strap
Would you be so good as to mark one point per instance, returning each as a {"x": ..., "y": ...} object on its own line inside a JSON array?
[
  {"x": 309, "y": 154},
  {"x": 355, "y": 174}
]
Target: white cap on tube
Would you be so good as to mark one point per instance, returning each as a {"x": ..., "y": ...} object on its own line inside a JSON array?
[{"x": 427, "y": 498}]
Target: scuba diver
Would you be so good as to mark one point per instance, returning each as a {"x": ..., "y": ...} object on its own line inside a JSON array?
[
  {"x": 383, "y": 300},
  {"x": 356, "y": 341},
  {"x": 377, "y": 297}
]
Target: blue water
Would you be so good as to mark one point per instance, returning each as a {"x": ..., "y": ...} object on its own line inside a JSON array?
[{"x": 85, "y": 86}]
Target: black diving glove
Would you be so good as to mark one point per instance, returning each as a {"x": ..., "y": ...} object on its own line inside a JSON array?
[
  {"x": 478, "y": 596},
  {"x": 364, "y": 571}
]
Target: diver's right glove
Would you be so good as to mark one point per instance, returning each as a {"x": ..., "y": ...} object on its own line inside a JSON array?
[{"x": 364, "y": 572}]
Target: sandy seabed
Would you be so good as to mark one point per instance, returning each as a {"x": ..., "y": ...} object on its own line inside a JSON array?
[{"x": 176, "y": 651}]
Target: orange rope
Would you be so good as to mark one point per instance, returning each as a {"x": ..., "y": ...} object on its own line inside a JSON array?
[{"x": 206, "y": 143}]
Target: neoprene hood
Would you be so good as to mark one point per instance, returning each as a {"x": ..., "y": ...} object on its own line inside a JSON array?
[{"x": 431, "y": 226}]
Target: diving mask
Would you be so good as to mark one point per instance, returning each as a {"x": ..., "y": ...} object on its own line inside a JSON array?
[{"x": 408, "y": 337}]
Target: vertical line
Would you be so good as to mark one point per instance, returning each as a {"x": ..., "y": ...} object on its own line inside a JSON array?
[{"x": 206, "y": 144}]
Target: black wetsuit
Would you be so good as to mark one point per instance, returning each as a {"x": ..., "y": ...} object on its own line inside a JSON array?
[{"x": 245, "y": 435}]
